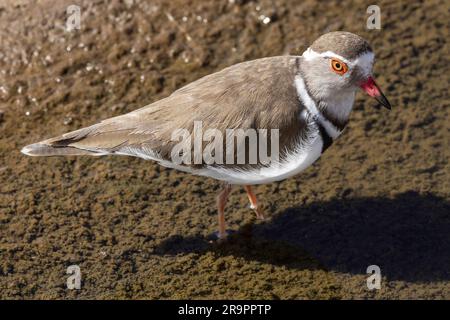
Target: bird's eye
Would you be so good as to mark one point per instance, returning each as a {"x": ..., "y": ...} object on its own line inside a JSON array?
[{"x": 338, "y": 66}]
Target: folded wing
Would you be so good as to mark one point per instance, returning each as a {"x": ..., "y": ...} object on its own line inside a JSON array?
[{"x": 258, "y": 94}]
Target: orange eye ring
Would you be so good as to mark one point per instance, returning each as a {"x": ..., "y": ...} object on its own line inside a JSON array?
[{"x": 338, "y": 66}]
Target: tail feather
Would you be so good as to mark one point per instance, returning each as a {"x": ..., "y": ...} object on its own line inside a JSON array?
[
  {"x": 99, "y": 139},
  {"x": 64, "y": 145},
  {"x": 41, "y": 149}
]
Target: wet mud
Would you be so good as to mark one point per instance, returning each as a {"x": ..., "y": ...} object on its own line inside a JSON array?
[{"x": 378, "y": 196}]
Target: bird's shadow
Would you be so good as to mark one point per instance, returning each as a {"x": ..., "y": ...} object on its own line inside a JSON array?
[{"x": 408, "y": 237}]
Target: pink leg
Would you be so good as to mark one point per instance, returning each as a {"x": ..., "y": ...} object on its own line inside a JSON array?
[
  {"x": 222, "y": 198},
  {"x": 254, "y": 203}
]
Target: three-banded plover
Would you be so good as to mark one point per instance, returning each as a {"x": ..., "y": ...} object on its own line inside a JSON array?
[{"x": 307, "y": 98}]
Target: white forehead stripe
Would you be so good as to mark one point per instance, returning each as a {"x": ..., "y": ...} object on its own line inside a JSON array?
[
  {"x": 310, "y": 54},
  {"x": 364, "y": 61}
]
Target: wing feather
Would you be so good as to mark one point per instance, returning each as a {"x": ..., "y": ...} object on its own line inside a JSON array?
[{"x": 257, "y": 94}]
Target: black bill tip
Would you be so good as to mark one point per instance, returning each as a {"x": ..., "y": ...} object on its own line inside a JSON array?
[{"x": 383, "y": 101}]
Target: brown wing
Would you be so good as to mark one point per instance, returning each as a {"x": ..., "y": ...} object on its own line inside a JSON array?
[{"x": 258, "y": 94}]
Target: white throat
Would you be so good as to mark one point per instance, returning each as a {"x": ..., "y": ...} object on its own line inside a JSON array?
[{"x": 312, "y": 108}]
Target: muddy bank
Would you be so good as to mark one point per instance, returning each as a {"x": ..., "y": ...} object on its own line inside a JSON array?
[{"x": 380, "y": 195}]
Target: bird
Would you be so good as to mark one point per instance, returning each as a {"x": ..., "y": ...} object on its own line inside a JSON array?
[{"x": 304, "y": 101}]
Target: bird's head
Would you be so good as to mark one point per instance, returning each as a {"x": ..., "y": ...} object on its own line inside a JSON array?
[{"x": 340, "y": 62}]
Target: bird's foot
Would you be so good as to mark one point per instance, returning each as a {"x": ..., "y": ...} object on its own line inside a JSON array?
[
  {"x": 220, "y": 237},
  {"x": 259, "y": 212}
]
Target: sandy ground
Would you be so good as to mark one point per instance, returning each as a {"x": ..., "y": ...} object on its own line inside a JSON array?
[{"x": 379, "y": 196}]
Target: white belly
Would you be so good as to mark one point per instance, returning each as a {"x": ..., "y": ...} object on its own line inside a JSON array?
[{"x": 298, "y": 160}]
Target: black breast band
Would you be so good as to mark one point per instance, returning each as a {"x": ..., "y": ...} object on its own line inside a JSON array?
[{"x": 327, "y": 140}]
